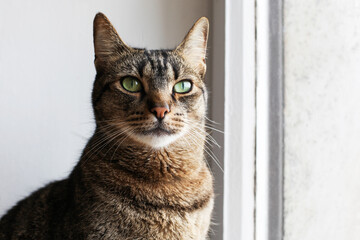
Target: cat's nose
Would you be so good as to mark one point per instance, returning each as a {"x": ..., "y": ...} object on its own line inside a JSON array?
[{"x": 160, "y": 112}]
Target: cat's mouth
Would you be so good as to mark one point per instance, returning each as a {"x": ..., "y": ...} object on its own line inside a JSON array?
[
  {"x": 158, "y": 131},
  {"x": 159, "y": 135}
]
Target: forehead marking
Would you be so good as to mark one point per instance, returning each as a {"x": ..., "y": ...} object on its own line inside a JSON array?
[
  {"x": 165, "y": 58},
  {"x": 159, "y": 66},
  {"x": 141, "y": 67},
  {"x": 175, "y": 69},
  {"x": 147, "y": 54}
]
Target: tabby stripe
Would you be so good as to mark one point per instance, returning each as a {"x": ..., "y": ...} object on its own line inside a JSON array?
[
  {"x": 147, "y": 54},
  {"x": 165, "y": 58},
  {"x": 141, "y": 67},
  {"x": 160, "y": 68},
  {"x": 176, "y": 70}
]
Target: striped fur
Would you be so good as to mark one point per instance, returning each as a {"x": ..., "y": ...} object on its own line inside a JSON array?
[{"x": 132, "y": 182}]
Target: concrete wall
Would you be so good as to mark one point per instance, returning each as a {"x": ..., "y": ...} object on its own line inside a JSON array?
[
  {"x": 46, "y": 76},
  {"x": 322, "y": 120}
]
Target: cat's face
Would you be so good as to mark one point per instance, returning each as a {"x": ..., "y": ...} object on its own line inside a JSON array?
[{"x": 151, "y": 96}]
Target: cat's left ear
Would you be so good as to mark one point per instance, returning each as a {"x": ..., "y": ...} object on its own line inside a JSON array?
[
  {"x": 107, "y": 42},
  {"x": 193, "y": 47}
]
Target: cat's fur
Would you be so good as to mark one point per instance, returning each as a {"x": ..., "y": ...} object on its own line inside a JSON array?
[{"x": 131, "y": 183}]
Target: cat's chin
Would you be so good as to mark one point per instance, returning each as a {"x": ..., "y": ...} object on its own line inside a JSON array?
[{"x": 157, "y": 141}]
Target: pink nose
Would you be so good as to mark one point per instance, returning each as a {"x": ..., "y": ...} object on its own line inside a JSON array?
[{"x": 160, "y": 112}]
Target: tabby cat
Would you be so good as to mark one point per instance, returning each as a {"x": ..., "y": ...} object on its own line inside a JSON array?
[{"x": 143, "y": 174}]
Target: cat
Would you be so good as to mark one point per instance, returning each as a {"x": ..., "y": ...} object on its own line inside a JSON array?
[{"x": 143, "y": 174}]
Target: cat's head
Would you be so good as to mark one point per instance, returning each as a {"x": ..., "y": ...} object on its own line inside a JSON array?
[{"x": 151, "y": 96}]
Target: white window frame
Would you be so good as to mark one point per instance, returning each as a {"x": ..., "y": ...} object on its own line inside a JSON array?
[
  {"x": 252, "y": 117},
  {"x": 240, "y": 119},
  {"x": 269, "y": 122}
]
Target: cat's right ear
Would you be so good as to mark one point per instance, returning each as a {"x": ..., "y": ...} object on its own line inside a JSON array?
[
  {"x": 107, "y": 42},
  {"x": 193, "y": 47}
]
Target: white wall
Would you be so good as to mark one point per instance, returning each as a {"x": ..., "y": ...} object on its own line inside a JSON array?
[
  {"x": 46, "y": 76},
  {"x": 322, "y": 120}
]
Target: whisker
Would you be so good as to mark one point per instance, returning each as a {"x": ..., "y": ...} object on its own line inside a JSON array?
[
  {"x": 206, "y": 161},
  {"x": 112, "y": 132},
  {"x": 208, "y": 135},
  {"x": 103, "y": 142},
  {"x": 205, "y": 125},
  {"x": 212, "y": 121},
  {"x": 207, "y": 150},
  {"x": 203, "y": 130},
  {"x": 118, "y": 144}
]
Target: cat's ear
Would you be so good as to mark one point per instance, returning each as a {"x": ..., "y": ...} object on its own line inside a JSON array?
[
  {"x": 107, "y": 42},
  {"x": 193, "y": 47}
]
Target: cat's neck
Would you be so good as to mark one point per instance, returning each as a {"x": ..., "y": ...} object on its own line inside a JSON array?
[
  {"x": 154, "y": 177},
  {"x": 182, "y": 159}
]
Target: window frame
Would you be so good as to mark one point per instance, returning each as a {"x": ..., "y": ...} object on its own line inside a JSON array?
[{"x": 252, "y": 117}]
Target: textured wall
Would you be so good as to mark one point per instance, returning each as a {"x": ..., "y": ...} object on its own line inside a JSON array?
[
  {"x": 46, "y": 76},
  {"x": 322, "y": 119}
]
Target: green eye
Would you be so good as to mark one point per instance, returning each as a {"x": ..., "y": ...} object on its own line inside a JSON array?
[
  {"x": 183, "y": 87},
  {"x": 131, "y": 84}
]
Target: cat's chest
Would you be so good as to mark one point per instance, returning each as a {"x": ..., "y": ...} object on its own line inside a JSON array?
[{"x": 121, "y": 221}]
